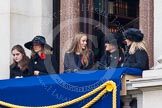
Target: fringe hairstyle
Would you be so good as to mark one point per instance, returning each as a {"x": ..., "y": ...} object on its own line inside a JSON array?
[
  {"x": 25, "y": 59},
  {"x": 33, "y": 52},
  {"x": 75, "y": 47},
  {"x": 137, "y": 45}
]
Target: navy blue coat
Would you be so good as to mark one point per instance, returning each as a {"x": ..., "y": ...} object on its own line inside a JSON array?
[
  {"x": 137, "y": 60},
  {"x": 72, "y": 62},
  {"x": 45, "y": 66}
]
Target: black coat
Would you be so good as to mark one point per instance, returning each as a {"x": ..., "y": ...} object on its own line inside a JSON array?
[
  {"x": 15, "y": 71},
  {"x": 45, "y": 66},
  {"x": 137, "y": 60},
  {"x": 72, "y": 62},
  {"x": 111, "y": 60}
]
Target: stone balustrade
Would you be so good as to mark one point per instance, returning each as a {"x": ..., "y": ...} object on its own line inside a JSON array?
[{"x": 146, "y": 90}]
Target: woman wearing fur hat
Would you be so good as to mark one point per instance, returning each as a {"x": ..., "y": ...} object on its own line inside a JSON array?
[
  {"x": 136, "y": 53},
  {"x": 41, "y": 63},
  {"x": 113, "y": 56},
  {"x": 79, "y": 56}
]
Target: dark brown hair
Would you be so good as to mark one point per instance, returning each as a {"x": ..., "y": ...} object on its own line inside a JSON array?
[{"x": 25, "y": 59}]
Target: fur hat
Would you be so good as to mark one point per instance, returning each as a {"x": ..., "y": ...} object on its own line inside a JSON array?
[
  {"x": 133, "y": 34},
  {"x": 37, "y": 39}
]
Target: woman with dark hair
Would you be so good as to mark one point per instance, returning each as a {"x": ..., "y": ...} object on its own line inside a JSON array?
[
  {"x": 136, "y": 53},
  {"x": 114, "y": 55},
  {"x": 79, "y": 56},
  {"x": 41, "y": 63},
  {"x": 19, "y": 67}
]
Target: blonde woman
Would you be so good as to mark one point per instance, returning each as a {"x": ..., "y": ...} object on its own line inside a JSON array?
[
  {"x": 79, "y": 56},
  {"x": 41, "y": 63},
  {"x": 136, "y": 54}
]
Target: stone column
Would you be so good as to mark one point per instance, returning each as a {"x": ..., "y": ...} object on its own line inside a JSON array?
[
  {"x": 47, "y": 20},
  {"x": 139, "y": 100},
  {"x": 30, "y": 18},
  {"x": 157, "y": 30},
  {"x": 4, "y": 38},
  {"x": 147, "y": 25},
  {"x": 69, "y": 25}
]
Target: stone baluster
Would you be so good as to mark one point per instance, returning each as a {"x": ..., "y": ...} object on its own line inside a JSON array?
[{"x": 126, "y": 101}]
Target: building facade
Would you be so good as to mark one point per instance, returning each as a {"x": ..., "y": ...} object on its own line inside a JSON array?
[{"x": 59, "y": 20}]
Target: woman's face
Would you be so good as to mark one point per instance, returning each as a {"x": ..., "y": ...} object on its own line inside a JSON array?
[
  {"x": 37, "y": 47},
  {"x": 17, "y": 56},
  {"x": 83, "y": 42},
  {"x": 128, "y": 42}
]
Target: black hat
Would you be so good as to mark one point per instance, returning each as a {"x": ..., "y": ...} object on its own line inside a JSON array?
[
  {"x": 115, "y": 39},
  {"x": 133, "y": 34},
  {"x": 37, "y": 39}
]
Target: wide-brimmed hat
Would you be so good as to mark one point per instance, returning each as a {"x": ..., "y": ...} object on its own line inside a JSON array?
[
  {"x": 133, "y": 34},
  {"x": 115, "y": 39},
  {"x": 38, "y": 39}
]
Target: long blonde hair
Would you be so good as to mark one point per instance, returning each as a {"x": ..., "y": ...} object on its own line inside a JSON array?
[
  {"x": 74, "y": 47},
  {"x": 137, "y": 45},
  {"x": 33, "y": 52}
]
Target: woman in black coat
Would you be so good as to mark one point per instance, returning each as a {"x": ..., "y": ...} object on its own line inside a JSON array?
[
  {"x": 19, "y": 67},
  {"x": 136, "y": 53},
  {"x": 114, "y": 55},
  {"x": 41, "y": 63},
  {"x": 79, "y": 56}
]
